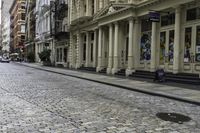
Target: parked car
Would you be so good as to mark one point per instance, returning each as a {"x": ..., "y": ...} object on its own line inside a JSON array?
[{"x": 7, "y": 60}]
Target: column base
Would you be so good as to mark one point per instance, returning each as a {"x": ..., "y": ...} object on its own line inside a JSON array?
[
  {"x": 152, "y": 69},
  {"x": 109, "y": 70},
  {"x": 129, "y": 72},
  {"x": 115, "y": 70},
  {"x": 99, "y": 69},
  {"x": 175, "y": 71}
]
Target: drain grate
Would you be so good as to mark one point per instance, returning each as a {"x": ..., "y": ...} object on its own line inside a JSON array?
[{"x": 173, "y": 117}]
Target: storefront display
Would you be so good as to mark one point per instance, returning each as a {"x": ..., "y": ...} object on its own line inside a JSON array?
[
  {"x": 162, "y": 47},
  {"x": 145, "y": 47},
  {"x": 198, "y": 44},
  {"x": 171, "y": 46},
  {"x": 187, "y": 48}
]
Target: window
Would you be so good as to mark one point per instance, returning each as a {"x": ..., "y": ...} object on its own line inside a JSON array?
[
  {"x": 171, "y": 46},
  {"x": 162, "y": 47},
  {"x": 198, "y": 44},
  {"x": 23, "y": 28},
  {"x": 84, "y": 51},
  {"x": 91, "y": 52},
  {"x": 188, "y": 40},
  {"x": 23, "y": 16},
  {"x": 168, "y": 19},
  {"x": 193, "y": 14},
  {"x": 127, "y": 44},
  {"x": 92, "y": 36},
  {"x": 146, "y": 25},
  {"x": 22, "y": 37}
]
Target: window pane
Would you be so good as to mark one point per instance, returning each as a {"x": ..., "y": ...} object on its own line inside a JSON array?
[
  {"x": 84, "y": 51},
  {"x": 187, "y": 49},
  {"x": 198, "y": 45},
  {"x": 162, "y": 47},
  {"x": 191, "y": 14},
  {"x": 168, "y": 19},
  {"x": 146, "y": 25},
  {"x": 171, "y": 46},
  {"x": 145, "y": 46}
]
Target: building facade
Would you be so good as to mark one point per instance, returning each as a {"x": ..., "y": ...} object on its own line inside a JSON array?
[
  {"x": 17, "y": 27},
  {"x": 44, "y": 27},
  {"x": 113, "y": 35},
  {"x": 6, "y": 36},
  {"x": 61, "y": 33},
  {"x": 30, "y": 28}
]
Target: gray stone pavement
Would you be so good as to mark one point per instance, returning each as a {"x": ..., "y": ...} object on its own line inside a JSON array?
[
  {"x": 179, "y": 93},
  {"x": 35, "y": 101}
]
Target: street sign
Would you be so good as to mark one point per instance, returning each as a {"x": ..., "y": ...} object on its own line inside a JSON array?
[{"x": 154, "y": 16}]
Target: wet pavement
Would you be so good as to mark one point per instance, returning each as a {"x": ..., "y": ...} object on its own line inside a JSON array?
[{"x": 38, "y": 101}]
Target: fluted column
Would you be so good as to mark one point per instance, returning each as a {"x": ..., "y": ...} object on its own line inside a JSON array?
[
  {"x": 79, "y": 51},
  {"x": 99, "y": 67},
  {"x": 136, "y": 41},
  {"x": 110, "y": 58},
  {"x": 176, "y": 59},
  {"x": 130, "y": 48},
  {"x": 95, "y": 49},
  {"x": 116, "y": 49},
  {"x": 153, "y": 47},
  {"x": 87, "y": 49}
]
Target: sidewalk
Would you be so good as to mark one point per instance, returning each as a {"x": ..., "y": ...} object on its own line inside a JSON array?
[{"x": 172, "y": 92}]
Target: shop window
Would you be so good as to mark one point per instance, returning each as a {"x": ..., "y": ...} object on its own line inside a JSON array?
[
  {"x": 193, "y": 14},
  {"x": 162, "y": 47},
  {"x": 198, "y": 44},
  {"x": 171, "y": 46},
  {"x": 187, "y": 48},
  {"x": 168, "y": 19},
  {"x": 145, "y": 46}
]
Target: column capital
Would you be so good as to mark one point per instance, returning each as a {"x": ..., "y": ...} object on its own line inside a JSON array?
[
  {"x": 116, "y": 23},
  {"x": 177, "y": 7},
  {"x": 131, "y": 19},
  {"x": 110, "y": 24}
]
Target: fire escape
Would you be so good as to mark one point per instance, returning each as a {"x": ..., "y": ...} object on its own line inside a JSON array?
[{"x": 61, "y": 12}]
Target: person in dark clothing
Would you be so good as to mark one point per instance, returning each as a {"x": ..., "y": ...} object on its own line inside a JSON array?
[{"x": 160, "y": 75}]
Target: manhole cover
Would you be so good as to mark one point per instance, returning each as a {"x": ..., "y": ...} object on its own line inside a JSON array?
[{"x": 173, "y": 117}]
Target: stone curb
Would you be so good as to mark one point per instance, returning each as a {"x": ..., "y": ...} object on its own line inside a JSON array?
[{"x": 160, "y": 94}]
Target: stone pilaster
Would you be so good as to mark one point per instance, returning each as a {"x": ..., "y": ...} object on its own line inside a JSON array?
[
  {"x": 95, "y": 49},
  {"x": 110, "y": 58},
  {"x": 177, "y": 41},
  {"x": 153, "y": 47},
  {"x": 87, "y": 48},
  {"x": 116, "y": 49},
  {"x": 99, "y": 66}
]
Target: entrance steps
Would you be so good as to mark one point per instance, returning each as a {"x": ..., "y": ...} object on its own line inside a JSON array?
[
  {"x": 90, "y": 69},
  {"x": 103, "y": 71},
  {"x": 183, "y": 78},
  {"x": 121, "y": 72}
]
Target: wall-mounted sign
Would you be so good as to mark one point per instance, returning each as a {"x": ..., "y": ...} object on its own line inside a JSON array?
[{"x": 154, "y": 16}]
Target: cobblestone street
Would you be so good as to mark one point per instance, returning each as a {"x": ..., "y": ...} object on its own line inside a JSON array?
[{"x": 35, "y": 101}]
